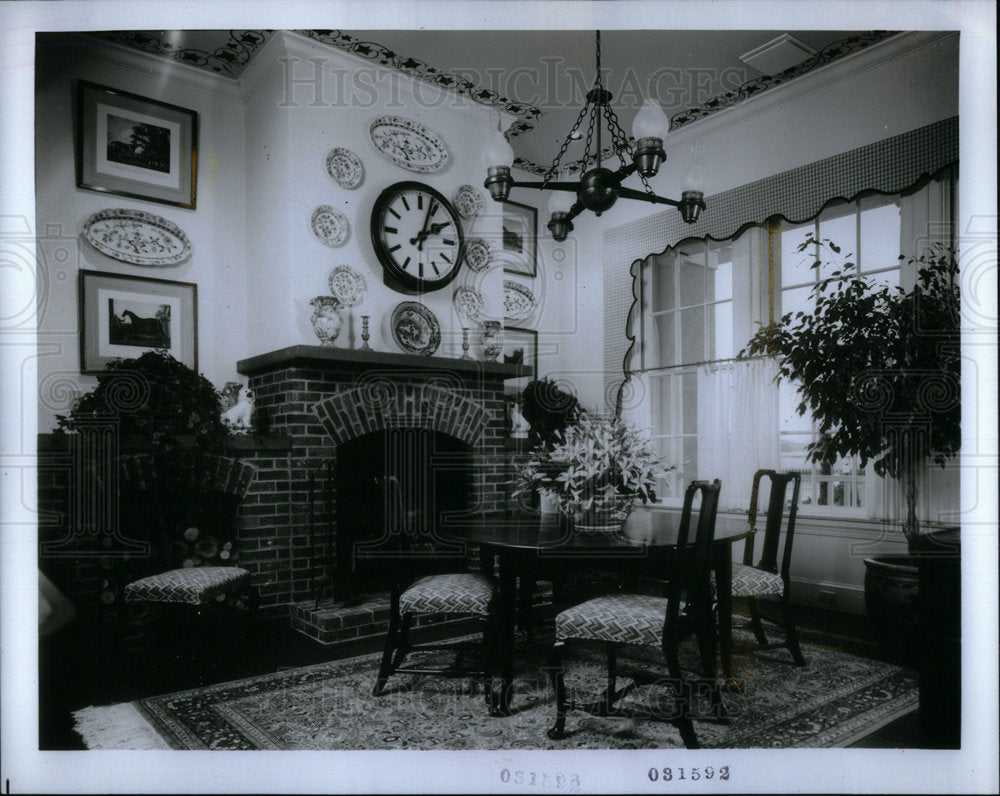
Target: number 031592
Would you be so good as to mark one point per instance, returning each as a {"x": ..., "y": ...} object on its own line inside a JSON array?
[{"x": 691, "y": 773}]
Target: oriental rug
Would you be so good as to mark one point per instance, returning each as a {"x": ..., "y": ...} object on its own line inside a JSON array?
[{"x": 833, "y": 701}]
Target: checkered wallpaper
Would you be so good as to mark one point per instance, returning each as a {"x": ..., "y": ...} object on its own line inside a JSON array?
[{"x": 890, "y": 166}]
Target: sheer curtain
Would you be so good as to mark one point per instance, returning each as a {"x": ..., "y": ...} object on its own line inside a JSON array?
[{"x": 737, "y": 425}]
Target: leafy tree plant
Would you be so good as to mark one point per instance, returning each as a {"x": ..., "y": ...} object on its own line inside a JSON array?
[{"x": 877, "y": 367}]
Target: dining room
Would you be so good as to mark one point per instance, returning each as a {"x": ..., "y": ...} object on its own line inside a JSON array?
[{"x": 558, "y": 389}]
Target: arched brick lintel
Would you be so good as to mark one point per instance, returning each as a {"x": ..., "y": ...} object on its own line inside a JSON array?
[{"x": 380, "y": 405}]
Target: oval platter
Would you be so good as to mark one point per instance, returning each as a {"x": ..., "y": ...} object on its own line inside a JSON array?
[
  {"x": 344, "y": 167},
  {"x": 330, "y": 225},
  {"x": 477, "y": 254},
  {"x": 518, "y": 301},
  {"x": 346, "y": 284},
  {"x": 136, "y": 237},
  {"x": 415, "y": 328},
  {"x": 408, "y": 144}
]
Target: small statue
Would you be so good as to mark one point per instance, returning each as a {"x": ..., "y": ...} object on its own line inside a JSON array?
[
  {"x": 230, "y": 395},
  {"x": 238, "y": 418}
]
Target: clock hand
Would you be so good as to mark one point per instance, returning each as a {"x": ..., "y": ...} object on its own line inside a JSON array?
[{"x": 424, "y": 232}]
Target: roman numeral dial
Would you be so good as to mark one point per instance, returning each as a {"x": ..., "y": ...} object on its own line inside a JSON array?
[{"x": 417, "y": 236}]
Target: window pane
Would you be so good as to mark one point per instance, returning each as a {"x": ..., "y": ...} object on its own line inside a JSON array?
[
  {"x": 796, "y": 299},
  {"x": 665, "y": 298},
  {"x": 879, "y": 235},
  {"x": 668, "y": 340},
  {"x": 692, "y": 282},
  {"x": 788, "y": 400},
  {"x": 689, "y": 385},
  {"x": 722, "y": 282},
  {"x": 693, "y": 334},
  {"x": 841, "y": 230},
  {"x": 724, "y": 330},
  {"x": 690, "y": 468},
  {"x": 660, "y": 386},
  {"x": 793, "y": 452},
  {"x": 795, "y": 265}
]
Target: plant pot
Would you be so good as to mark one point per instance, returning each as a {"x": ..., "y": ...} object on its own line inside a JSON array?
[
  {"x": 609, "y": 517},
  {"x": 891, "y": 591}
]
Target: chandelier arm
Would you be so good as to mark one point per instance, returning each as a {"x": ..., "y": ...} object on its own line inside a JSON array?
[
  {"x": 642, "y": 196},
  {"x": 547, "y": 186}
]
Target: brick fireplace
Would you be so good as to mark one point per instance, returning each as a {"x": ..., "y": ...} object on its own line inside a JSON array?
[{"x": 323, "y": 400}]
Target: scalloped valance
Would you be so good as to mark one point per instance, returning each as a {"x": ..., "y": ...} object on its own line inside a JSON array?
[{"x": 889, "y": 166}]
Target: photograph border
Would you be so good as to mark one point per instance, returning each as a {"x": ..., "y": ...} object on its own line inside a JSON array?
[
  {"x": 89, "y": 177},
  {"x": 91, "y": 361}
]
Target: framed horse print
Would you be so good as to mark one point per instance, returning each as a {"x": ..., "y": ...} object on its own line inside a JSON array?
[
  {"x": 125, "y": 316},
  {"x": 134, "y": 146}
]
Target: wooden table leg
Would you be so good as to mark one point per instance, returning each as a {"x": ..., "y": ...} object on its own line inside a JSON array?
[
  {"x": 724, "y": 595},
  {"x": 508, "y": 603}
]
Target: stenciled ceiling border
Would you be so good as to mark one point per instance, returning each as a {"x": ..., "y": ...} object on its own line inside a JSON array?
[{"x": 230, "y": 58}]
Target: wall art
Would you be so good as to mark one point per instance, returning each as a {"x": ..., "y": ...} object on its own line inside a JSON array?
[
  {"x": 134, "y": 146},
  {"x": 520, "y": 238},
  {"x": 125, "y": 316},
  {"x": 136, "y": 237}
]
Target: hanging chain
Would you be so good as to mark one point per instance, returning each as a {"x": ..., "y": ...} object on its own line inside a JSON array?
[{"x": 554, "y": 168}]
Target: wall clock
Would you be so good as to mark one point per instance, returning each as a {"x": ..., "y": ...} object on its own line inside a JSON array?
[{"x": 417, "y": 235}]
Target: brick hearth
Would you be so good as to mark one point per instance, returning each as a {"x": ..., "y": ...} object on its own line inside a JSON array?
[{"x": 318, "y": 398}]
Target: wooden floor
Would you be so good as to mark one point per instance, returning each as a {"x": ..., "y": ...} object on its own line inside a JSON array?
[{"x": 73, "y": 674}]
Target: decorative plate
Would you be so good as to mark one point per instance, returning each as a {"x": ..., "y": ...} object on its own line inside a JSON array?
[
  {"x": 137, "y": 237},
  {"x": 415, "y": 328},
  {"x": 477, "y": 254},
  {"x": 518, "y": 301},
  {"x": 344, "y": 167},
  {"x": 408, "y": 144},
  {"x": 468, "y": 201},
  {"x": 330, "y": 225},
  {"x": 469, "y": 303},
  {"x": 347, "y": 285}
]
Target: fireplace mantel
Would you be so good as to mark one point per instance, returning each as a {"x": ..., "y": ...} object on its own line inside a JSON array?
[{"x": 320, "y": 356}]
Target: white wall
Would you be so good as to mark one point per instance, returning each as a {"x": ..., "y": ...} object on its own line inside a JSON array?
[{"x": 214, "y": 228}]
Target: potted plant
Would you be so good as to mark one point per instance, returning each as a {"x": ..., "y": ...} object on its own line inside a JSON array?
[
  {"x": 548, "y": 409},
  {"x": 597, "y": 467},
  {"x": 878, "y": 369}
]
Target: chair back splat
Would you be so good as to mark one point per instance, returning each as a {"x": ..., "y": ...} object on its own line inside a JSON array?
[{"x": 765, "y": 579}]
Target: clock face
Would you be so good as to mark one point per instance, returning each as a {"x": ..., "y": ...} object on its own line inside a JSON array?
[{"x": 417, "y": 236}]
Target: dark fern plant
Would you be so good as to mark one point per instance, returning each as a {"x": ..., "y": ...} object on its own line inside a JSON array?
[{"x": 877, "y": 367}]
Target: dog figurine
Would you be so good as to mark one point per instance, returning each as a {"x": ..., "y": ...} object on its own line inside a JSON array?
[{"x": 238, "y": 417}]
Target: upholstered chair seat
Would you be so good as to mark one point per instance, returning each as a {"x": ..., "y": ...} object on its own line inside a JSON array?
[{"x": 190, "y": 585}]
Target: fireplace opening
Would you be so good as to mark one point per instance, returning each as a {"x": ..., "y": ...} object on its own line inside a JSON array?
[{"x": 392, "y": 488}]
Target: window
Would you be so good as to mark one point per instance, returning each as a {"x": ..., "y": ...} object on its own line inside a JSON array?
[
  {"x": 702, "y": 300},
  {"x": 867, "y": 232}
]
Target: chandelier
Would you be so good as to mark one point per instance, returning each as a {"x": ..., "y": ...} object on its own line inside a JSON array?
[{"x": 598, "y": 188}]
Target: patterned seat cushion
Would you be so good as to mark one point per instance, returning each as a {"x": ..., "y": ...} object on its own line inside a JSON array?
[
  {"x": 193, "y": 585},
  {"x": 622, "y": 618},
  {"x": 461, "y": 593},
  {"x": 753, "y": 582}
]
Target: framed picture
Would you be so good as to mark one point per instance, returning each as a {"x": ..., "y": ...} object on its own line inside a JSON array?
[
  {"x": 124, "y": 316},
  {"x": 520, "y": 347},
  {"x": 133, "y": 146},
  {"x": 520, "y": 239}
]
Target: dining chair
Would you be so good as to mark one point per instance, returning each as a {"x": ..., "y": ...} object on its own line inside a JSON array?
[
  {"x": 616, "y": 620},
  {"x": 191, "y": 528},
  {"x": 429, "y": 577},
  {"x": 766, "y": 579}
]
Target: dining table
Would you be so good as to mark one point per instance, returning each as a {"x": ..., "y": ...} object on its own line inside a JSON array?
[{"x": 525, "y": 546}]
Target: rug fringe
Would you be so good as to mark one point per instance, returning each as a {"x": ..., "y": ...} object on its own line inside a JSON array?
[{"x": 119, "y": 726}]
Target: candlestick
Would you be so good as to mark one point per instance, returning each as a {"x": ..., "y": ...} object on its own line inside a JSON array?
[{"x": 364, "y": 334}]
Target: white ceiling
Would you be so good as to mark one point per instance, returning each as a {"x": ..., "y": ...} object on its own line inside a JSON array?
[{"x": 539, "y": 76}]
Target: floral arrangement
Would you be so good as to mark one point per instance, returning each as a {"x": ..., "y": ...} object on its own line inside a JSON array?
[{"x": 597, "y": 467}]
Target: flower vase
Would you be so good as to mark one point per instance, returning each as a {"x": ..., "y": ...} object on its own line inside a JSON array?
[
  {"x": 326, "y": 318},
  {"x": 604, "y": 516},
  {"x": 492, "y": 340}
]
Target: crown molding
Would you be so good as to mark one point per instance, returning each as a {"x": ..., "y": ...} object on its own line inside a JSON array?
[
  {"x": 155, "y": 66},
  {"x": 390, "y": 85},
  {"x": 891, "y": 49}
]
